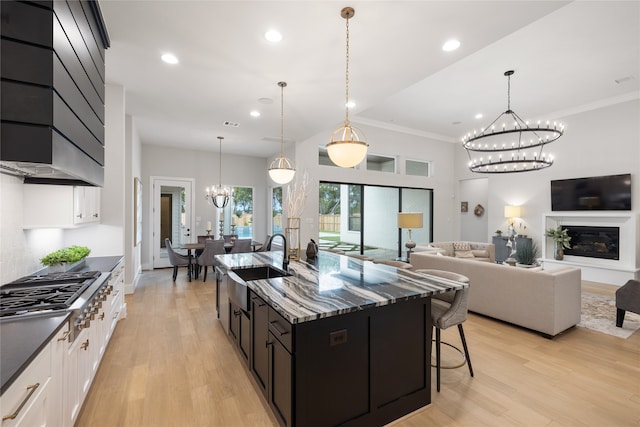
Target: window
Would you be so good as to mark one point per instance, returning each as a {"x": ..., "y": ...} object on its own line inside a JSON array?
[
  {"x": 238, "y": 214},
  {"x": 417, "y": 168},
  {"x": 381, "y": 163},
  {"x": 276, "y": 210},
  {"x": 363, "y": 218}
]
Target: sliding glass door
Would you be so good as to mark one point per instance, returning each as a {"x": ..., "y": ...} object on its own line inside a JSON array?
[{"x": 357, "y": 218}]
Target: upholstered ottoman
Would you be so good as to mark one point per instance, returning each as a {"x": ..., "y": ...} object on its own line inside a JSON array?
[{"x": 627, "y": 299}]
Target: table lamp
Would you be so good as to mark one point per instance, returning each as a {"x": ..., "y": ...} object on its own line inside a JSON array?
[{"x": 410, "y": 220}]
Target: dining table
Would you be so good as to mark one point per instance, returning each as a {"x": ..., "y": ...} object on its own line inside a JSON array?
[{"x": 200, "y": 246}]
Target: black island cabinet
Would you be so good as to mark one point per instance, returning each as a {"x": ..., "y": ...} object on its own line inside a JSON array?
[
  {"x": 355, "y": 355},
  {"x": 362, "y": 368}
]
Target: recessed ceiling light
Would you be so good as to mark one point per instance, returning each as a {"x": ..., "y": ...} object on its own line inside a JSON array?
[
  {"x": 351, "y": 105},
  {"x": 450, "y": 45},
  {"x": 169, "y": 58},
  {"x": 479, "y": 116},
  {"x": 266, "y": 101},
  {"x": 255, "y": 113},
  {"x": 273, "y": 36}
]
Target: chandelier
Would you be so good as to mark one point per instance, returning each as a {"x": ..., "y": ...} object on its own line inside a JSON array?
[
  {"x": 347, "y": 147},
  {"x": 219, "y": 195},
  {"x": 509, "y": 144},
  {"x": 281, "y": 169}
]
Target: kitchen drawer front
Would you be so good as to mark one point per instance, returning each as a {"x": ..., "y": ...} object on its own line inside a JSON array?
[
  {"x": 281, "y": 329},
  {"x": 25, "y": 392}
]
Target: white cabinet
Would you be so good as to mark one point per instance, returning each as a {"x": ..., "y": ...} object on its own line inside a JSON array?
[
  {"x": 77, "y": 376},
  {"x": 26, "y": 403},
  {"x": 60, "y": 206}
]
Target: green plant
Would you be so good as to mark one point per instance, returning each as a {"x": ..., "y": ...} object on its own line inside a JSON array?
[
  {"x": 498, "y": 232},
  {"x": 527, "y": 253},
  {"x": 69, "y": 255},
  {"x": 559, "y": 235}
]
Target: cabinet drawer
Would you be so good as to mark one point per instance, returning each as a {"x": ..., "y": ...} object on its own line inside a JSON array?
[{"x": 281, "y": 329}]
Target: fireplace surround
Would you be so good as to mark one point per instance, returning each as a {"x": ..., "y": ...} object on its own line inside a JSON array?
[{"x": 609, "y": 268}]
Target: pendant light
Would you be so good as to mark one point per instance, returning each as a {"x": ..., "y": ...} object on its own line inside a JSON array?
[
  {"x": 281, "y": 170},
  {"x": 347, "y": 147},
  {"x": 219, "y": 195}
]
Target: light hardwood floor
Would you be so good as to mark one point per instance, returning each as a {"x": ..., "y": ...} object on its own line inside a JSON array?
[{"x": 170, "y": 364}]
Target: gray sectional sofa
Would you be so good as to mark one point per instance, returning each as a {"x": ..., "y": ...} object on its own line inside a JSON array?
[{"x": 547, "y": 301}]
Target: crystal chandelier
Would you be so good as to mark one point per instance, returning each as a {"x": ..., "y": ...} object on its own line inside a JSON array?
[
  {"x": 347, "y": 147},
  {"x": 219, "y": 195},
  {"x": 281, "y": 169},
  {"x": 509, "y": 144}
]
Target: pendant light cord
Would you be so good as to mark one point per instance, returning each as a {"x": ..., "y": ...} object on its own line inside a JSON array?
[
  {"x": 346, "y": 103},
  {"x": 282, "y": 85},
  {"x": 220, "y": 163}
]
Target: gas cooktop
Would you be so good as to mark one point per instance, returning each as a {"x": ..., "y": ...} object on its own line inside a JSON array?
[{"x": 55, "y": 291}]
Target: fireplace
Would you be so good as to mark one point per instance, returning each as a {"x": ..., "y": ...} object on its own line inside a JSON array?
[{"x": 594, "y": 242}]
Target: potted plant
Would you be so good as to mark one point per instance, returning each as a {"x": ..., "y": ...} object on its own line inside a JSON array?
[
  {"x": 65, "y": 259},
  {"x": 561, "y": 239},
  {"x": 527, "y": 254},
  {"x": 498, "y": 232}
]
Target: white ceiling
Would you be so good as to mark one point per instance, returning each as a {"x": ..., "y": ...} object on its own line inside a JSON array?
[{"x": 567, "y": 57}]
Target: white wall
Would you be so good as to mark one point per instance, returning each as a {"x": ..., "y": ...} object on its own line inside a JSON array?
[
  {"x": 473, "y": 228},
  {"x": 240, "y": 171},
  {"x": 133, "y": 147}
]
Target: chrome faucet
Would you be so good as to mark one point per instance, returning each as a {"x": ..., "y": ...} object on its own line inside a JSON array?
[{"x": 285, "y": 255}]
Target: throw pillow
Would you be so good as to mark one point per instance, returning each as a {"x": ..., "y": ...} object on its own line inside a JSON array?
[
  {"x": 461, "y": 246},
  {"x": 464, "y": 254},
  {"x": 480, "y": 253}
]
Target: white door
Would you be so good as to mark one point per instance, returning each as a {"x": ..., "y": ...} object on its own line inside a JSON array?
[{"x": 173, "y": 215}]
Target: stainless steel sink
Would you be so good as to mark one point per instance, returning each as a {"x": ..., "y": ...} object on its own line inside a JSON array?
[{"x": 237, "y": 278}]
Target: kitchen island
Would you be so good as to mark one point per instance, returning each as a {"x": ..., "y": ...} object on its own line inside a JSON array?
[{"x": 340, "y": 342}]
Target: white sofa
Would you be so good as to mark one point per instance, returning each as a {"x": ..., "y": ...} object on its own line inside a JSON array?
[
  {"x": 479, "y": 251},
  {"x": 547, "y": 301}
]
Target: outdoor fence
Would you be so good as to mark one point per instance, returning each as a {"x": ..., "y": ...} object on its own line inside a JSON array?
[{"x": 329, "y": 223}]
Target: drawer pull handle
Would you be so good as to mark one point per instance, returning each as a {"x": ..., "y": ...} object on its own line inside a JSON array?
[
  {"x": 32, "y": 389},
  {"x": 101, "y": 316},
  {"x": 64, "y": 336},
  {"x": 85, "y": 345},
  {"x": 278, "y": 329}
]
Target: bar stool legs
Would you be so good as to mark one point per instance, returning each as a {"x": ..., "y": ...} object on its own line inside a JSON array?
[{"x": 465, "y": 354}]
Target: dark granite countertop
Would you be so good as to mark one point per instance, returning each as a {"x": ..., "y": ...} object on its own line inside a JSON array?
[
  {"x": 22, "y": 338},
  {"x": 335, "y": 284}
]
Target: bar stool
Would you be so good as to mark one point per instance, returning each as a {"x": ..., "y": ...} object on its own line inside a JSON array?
[{"x": 449, "y": 309}]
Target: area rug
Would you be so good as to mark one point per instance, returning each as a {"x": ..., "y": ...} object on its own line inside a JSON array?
[{"x": 599, "y": 314}]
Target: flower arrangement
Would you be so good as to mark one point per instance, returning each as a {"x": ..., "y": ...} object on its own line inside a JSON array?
[
  {"x": 68, "y": 255},
  {"x": 559, "y": 235}
]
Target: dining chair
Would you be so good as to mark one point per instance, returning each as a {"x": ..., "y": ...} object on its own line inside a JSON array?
[
  {"x": 176, "y": 259},
  {"x": 229, "y": 238},
  {"x": 207, "y": 258},
  {"x": 449, "y": 309},
  {"x": 241, "y": 245}
]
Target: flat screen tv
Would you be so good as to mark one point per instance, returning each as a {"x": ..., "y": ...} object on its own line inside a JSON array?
[{"x": 596, "y": 193}]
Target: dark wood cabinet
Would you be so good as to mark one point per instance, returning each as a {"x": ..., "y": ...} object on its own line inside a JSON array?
[
  {"x": 240, "y": 330},
  {"x": 280, "y": 386},
  {"x": 362, "y": 368},
  {"x": 259, "y": 342}
]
